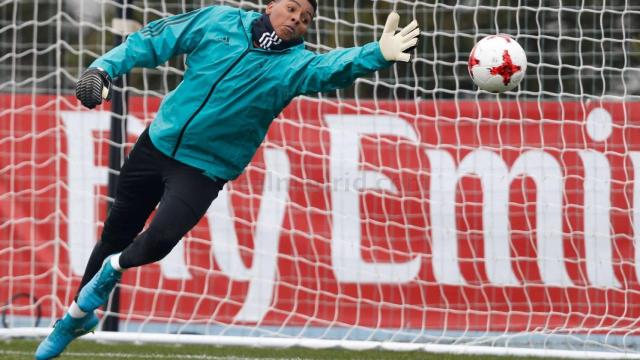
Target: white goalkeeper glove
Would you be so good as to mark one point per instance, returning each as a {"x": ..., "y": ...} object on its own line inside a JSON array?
[{"x": 392, "y": 45}]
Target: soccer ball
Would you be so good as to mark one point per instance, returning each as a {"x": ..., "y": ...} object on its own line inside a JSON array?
[{"x": 497, "y": 63}]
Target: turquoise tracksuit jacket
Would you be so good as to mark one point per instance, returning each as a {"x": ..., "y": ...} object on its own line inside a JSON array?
[{"x": 218, "y": 116}]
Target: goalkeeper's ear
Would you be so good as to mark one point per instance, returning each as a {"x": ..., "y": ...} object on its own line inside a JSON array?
[{"x": 396, "y": 47}]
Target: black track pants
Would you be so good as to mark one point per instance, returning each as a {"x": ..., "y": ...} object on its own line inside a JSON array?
[{"x": 149, "y": 177}]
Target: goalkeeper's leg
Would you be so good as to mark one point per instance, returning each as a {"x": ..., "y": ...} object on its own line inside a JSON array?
[
  {"x": 187, "y": 197},
  {"x": 140, "y": 187},
  {"x": 188, "y": 193}
]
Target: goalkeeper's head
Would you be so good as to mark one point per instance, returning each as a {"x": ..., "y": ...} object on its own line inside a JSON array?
[{"x": 291, "y": 18}]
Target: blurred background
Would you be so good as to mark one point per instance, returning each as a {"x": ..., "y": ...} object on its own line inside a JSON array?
[{"x": 577, "y": 49}]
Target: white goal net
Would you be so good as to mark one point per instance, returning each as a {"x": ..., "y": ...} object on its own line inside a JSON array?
[{"x": 409, "y": 209}]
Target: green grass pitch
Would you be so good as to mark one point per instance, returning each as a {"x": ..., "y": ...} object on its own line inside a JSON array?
[{"x": 88, "y": 350}]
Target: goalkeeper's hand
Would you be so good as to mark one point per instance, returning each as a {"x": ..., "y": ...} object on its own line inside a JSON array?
[
  {"x": 93, "y": 87},
  {"x": 392, "y": 45}
]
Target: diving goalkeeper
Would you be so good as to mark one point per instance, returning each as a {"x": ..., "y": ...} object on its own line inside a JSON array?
[{"x": 242, "y": 69}]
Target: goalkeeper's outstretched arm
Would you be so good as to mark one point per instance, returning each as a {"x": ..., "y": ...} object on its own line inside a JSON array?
[
  {"x": 340, "y": 68},
  {"x": 151, "y": 46}
]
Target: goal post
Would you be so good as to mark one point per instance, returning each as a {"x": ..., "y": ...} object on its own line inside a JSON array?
[{"x": 409, "y": 211}]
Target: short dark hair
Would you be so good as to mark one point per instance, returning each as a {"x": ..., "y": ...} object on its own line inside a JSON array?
[{"x": 314, "y": 4}]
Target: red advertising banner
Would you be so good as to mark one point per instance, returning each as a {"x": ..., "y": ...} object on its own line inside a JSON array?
[{"x": 464, "y": 215}]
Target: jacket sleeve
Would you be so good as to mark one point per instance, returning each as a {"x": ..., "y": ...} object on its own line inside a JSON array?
[
  {"x": 340, "y": 68},
  {"x": 157, "y": 42}
]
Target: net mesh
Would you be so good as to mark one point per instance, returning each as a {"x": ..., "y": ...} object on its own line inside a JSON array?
[{"x": 408, "y": 207}]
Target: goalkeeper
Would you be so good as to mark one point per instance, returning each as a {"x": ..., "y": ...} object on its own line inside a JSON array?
[{"x": 242, "y": 69}]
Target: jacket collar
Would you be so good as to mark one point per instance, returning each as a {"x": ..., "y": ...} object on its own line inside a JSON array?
[{"x": 247, "y": 18}]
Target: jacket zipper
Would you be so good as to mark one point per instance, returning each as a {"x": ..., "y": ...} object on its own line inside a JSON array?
[{"x": 206, "y": 100}]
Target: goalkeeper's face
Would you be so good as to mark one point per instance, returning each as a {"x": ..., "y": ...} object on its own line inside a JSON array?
[{"x": 290, "y": 18}]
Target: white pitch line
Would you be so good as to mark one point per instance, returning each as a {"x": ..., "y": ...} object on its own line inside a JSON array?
[{"x": 143, "y": 356}]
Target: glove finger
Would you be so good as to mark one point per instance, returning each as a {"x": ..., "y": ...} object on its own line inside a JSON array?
[
  {"x": 411, "y": 48},
  {"x": 392, "y": 23},
  {"x": 89, "y": 101},
  {"x": 407, "y": 29},
  {"x": 411, "y": 35},
  {"x": 88, "y": 104},
  {"x": 408, "y": 44},
  {"x": 404, "y": 57}
]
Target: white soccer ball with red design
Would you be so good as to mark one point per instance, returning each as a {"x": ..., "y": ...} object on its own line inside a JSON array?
[{"x": 497, "y": 63}]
